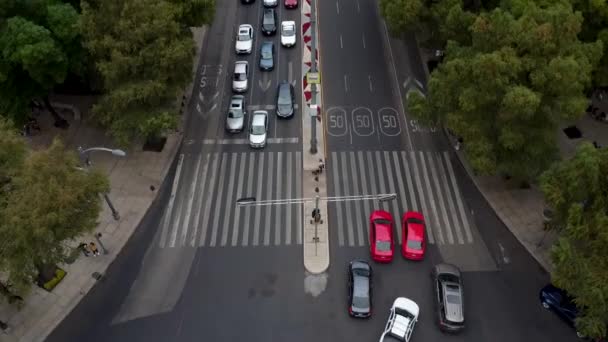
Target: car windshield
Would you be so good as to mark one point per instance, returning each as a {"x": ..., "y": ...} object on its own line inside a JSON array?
[
  {"x": 234, "y": 114},
  {"x": 414, "y": 244},
  {"x": 383, "y": 246},
  {"x": 239, "y": 77},
  {"x": 415, "y": 220},
  {"x": 243, "y": 37},
  {"x": 382, "y": 221},
  {"x": 257, "y": 130},
  {"x": 361, "y": 272},
  {"x": 289, "y": 31}
]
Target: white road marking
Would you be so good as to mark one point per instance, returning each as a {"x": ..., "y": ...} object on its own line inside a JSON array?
[
  {"x": 447, "y": 227},
  {"x": 185, "y": 224},
  {"x": 346, "y": 191},
  {"x": 356, "y": 177},
  {"x": 398, "y": 170},
  {"x": 299, "y": 174},
  {"x": 363, "y": 37},
  {"x": 463, "y": 215},
  {"x": 218, "y": 201},
  {"x": 293, "y": 140},
  {"x": 250, "y": 166},
  {"x": 208, "y": 199},
  {"x": 242, "y": 165},
  {"x": 371, "y": 86},
  {"x": 380, "y": 176},
  {"x": 336, "y": 179},
  {"x": 268, "y": 217},
  {"x": 256, "y": 220},
  {"x": 169, "y": 210},
  {"x": 337, "y": 8},
  {"x": 229, "y": 205},
  {"x": 345, "y": 84},
  {"x": 364, "y": 189},
  {"x": 429, "y": 191},
  {"x": 197, "y": 215},
  {"x": 392, "y": 189},
  {"x": 280, "y": 212},
  {"x": 288, "y": 194},
  {"x": 446, "y": 186},
  {"x": 419, "y": 185}
]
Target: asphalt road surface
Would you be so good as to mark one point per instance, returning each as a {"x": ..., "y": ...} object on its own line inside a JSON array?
[{"x": 200, "y": 269}]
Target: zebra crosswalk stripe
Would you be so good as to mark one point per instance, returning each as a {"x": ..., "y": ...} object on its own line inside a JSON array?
[
  {"x": 229, "y": 204},
  {"x": 209, "y": 199},
  {"x": 446, "y": 223},
  {"x": 218, "y": 202},
  {"x": 347, "y": 191},
  {"x": 391, "y": 185},
  {"x": 299, "y": 217},
  {"x": 284, "y": 208},
  {"x": 288, "y": 194},
  {"x": 357, "y": 177},
  {"x": 269, "y": 187},
  {"x": 200, "y": 201},
  {"x": 242, "y": 166},
  {"x": 169, "y": 210},
  {"x": 258, "y": 209},
  {"x": 448, "y": 196},
  {"x": 365, "y": 189},
  {"x": 186, "y": 221},
  {"x": 248, "y": 209},
  {"x": 435, "y": 224},
  {"x": 463, "y": 215},
  {"x": 339, "y": 225}
]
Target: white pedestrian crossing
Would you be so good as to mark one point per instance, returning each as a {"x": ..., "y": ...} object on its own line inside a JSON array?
[
  {"x": 423, "y": 181},
  {"x": 202, "y": 210}
]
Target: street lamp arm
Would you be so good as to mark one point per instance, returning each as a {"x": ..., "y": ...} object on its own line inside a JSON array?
[
  {"x": 252, "y": 201},
  {"x": 115, "y": 152}
]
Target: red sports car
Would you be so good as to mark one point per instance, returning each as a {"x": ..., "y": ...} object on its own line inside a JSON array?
[
  {"x": 381, "y": 236},
  {"x": 291, "y": 3},
  {"x": 413, "y": 245}
]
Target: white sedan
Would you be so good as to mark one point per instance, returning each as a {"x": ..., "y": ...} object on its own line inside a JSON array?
[
  {"x": 244, "y": 39},
  {"x": 401, "y": 321},
  {"x": 288, "y": 33}
]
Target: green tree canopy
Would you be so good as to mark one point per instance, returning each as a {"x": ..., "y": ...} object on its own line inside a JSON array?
[
  {"x": 50, "y": 201},
  {"x": 39, "y": 46},
  {"x": 144, "y": 52},
  {"x": 524, "y": 72},
  {"x": 12, "y": 151},
  {"x": 578, "y": 191},
  {"x": 403, "y": 15}
]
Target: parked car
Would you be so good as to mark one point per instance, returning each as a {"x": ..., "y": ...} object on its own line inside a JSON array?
[
  {"x": 401, "y": 321},
  {"x": 413, "y": 228},
  {"x": 267, "y": 56},
  {"x": 557, "y": 300},
  {"x": 285, "y": 100},
  {"x": 247, "y": 1},
  {"x": 359, "y": 289},
  {"x": 259, "y": 129},
  {"x": 449, "y": 298},
  {"x": 269, "y": 22},
  {"x": 288, "y": 33},
  {"x": 240, "y": 77},
  {"x": 236, "y": 116},
  {"x": 244, "y": 39},
  {"x": 381, "y": 236},
  {"x": 291, "y": 4}
]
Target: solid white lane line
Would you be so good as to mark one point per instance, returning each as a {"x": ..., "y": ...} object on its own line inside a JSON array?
[
  {"x": 358, "y": 206},
  {"x": 201, "y": 194},
  {"x": 440, "y": 202},
  {"x": 365, "y": 190},
  {"x": 448, "y": 196},
  {"x": 229, "y": 204},
  {"x": 220, "y": 195},
  {"x": 185, "y": 223},
  {"x": 242, "y": 165},
  {"x": 247, "y": 221},
  {"x": 363, "y": 37},
  {"x": 288, "y": 194},
  {"x": 336, "y": 179},
  {"x": 341, "y": 43},
  {"x": 177, "y": 221},
  {"x": 429, "y": 192},
  {"x": 371, "y": 86},
  {"x": 280, "y": 211},
  {"x": 299, "y": 217},
  {"x": 169, "y": 210},
  {"x": 268, "y": 217},
  {"x": 393, "y": 189},
  {"x": 337, "y": 8},
  {"x": 358, "y": 7},
  {"x": 258, "y": 208},
  {"x": 209, "y": 197},
  {"x": 463, "y": 215},
  {"x": 425, "y": 211}
]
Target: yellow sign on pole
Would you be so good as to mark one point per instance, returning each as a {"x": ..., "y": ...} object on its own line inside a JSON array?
[{"x": 313, "y": 78}]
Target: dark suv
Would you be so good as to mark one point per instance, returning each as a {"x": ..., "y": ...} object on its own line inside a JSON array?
[
  {"x": 557, "y": 300},
  {"x": 449, "y": 298},
  {"x": 269, "y": 22}
]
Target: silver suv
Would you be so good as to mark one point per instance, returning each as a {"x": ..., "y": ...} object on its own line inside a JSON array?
[
  {"x": 235, "y": 119},
  {"x": 449, "y": 298},
  {"x": 241, "y": 74},
  {"x": 259, "y": 129}
]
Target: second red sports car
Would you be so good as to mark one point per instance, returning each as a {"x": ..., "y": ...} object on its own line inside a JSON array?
[
  {"x": 291, "y": 3},
  {"x": 413, "y": 245},
  {"x": 381, "y": 236}
]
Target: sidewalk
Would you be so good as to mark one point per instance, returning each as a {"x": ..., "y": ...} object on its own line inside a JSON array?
[
  {"x": 521, "y": 210},
  {"x": 134, "y": 181}
]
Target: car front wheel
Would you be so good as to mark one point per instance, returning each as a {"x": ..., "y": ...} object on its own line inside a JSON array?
[{"x": 546, "y": 305}]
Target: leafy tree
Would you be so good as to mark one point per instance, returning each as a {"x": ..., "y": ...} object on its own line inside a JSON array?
[
  {"x": 403, "y": 15},
  {"x": 578, "y": 191},
  {"x": 12, "y": 152},
  {"x": 39, "y": 46},
  {"x": 524, "y": 72},
  {"x": 197, "y": 12},
  {"x": 144, "y": 52},
  {"x": 51, "y": 201}
]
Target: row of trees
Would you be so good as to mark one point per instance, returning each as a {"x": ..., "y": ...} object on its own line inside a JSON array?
[
  {"x": 138, "y": 53},
  {"x": 45, "y": 200},
  {"x": 513, "y": 72}
]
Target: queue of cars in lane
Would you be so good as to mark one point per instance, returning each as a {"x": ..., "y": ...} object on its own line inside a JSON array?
[
  {"x": 447, "y": 285},
  {"x": 236, "y": 116}
]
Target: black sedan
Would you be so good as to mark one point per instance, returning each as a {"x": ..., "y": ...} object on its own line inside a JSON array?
[
  {"x": 557, "y": 300},
  {"x": 359, "y": 289}
]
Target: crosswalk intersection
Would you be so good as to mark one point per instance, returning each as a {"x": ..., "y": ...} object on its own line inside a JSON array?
[
  {"x": 423, "y": 181},
  {"x": 202, "y": 209}
]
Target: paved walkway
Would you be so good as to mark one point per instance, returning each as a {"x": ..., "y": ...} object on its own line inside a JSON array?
[
  {"x": 521, "y": 210},
  {"x": 134, "y": 181}
]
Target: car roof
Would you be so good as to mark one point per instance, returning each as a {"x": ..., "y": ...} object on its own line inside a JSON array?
[
  {"x": 415, "y": 231},
  {"x": 453, "y": 311},
  {"x": 240, "y": 66},
  {"x": 288, "y": 23},
  {"x": 245, "y": 28},
  {"x": 447, "y": 269},
  {"x": 258, "y": 117}
]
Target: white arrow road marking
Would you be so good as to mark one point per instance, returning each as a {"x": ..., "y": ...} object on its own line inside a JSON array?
[
  {"x": 420, "y": 85},
  {"x": 266, "y": 83},
  {"x": 290, "y": 72},
  {"x": 407, "y": 82},
  {"x": 201, "y": 97},
  {"x": 416, "y": 90}
]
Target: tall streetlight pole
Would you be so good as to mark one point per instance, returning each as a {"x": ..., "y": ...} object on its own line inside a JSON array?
[
  {"x": 84, "y": 156},
  {"x": 316, "y": 214}
]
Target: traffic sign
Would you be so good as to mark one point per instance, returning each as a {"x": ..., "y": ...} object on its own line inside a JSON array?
[{"x": 313, "y": 78}]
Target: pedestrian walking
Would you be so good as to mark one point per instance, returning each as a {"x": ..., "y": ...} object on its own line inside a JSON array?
[
  {"x": 93, "y": 249},
  {"x": 85, "y": 249},
  {"x": 321, "y": 165}
]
